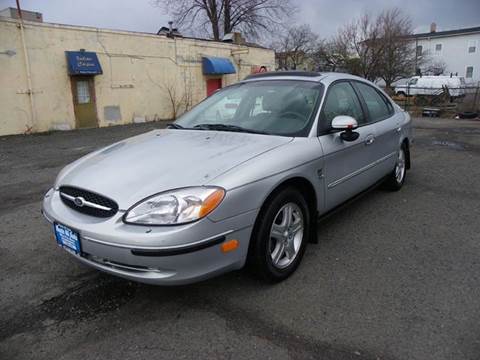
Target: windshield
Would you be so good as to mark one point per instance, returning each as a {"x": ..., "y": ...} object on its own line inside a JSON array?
[{"x": 280, "y": 107}]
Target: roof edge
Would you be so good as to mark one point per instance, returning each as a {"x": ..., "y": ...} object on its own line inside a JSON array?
[{"x": 463, "y": 31}]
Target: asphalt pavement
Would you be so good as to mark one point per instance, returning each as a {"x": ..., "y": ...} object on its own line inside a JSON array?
[{"x": 394, "y": 276}]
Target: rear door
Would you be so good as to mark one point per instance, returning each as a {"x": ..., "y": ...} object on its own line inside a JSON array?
[
  {"x": 387, "y": 122},
  {"x": 347, "y": 166}
]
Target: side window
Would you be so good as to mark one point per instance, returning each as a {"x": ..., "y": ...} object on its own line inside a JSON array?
[
  {"x": 419, "y": 50},
  {"x": 472, "y": 46},
  {"x": 376, "y": 104},
  {"x": 413, "y": 81},
  {"x": 341, "y": 100}
]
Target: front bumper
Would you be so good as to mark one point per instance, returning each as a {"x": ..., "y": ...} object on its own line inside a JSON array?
[{"x": 163, "y": 255}]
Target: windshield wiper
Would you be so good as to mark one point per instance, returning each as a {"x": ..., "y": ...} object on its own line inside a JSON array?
[
  {"x": 174, "y": 126},
  {"x": 225, "y": 127}
]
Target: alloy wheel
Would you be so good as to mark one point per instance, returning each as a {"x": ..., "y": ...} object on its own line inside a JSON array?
[
  {"x": 286, "y": 235},
  {"x": 400, "y": 166}
]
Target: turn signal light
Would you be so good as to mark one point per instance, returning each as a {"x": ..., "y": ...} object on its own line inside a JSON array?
[
  {"x": 211, "y": 202},
  {"x": 229, "y": 245}
]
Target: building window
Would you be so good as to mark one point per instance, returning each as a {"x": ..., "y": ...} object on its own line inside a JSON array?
[
  {"x": 469, "y": 72},
  {"x": 438, "y": 47},
  {"x": 419, "y": 50},
  {"x": 472, "y": 47}
]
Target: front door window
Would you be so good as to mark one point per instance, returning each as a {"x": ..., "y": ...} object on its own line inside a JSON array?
[{"x": 341, "y": 100}]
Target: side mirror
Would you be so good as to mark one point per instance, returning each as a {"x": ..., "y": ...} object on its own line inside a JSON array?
[{"x": 347, "y": 124}]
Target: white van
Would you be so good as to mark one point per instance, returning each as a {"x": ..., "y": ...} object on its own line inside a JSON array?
[{"x": 432, "y": 85}]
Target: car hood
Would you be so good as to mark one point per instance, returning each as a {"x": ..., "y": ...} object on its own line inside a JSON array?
[{"x": 160, "y": 160}]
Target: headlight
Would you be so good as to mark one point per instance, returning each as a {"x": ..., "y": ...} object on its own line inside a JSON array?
[{"x": 175, "y": 207}]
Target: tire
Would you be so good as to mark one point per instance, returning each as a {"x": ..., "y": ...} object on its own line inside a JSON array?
[
  {"x": 396, "y": 178},
  {"x": 467, "y": 115},
  {"x": 265, "y": 258}
]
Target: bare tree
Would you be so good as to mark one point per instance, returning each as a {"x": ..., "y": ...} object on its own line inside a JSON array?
[
  {"x": 372, "y": 47},
  {"x": 179, "y": 97},
  {"x": 295, "y": 47},
  {"x": 254, "y": 16},
  {"x": 331, "y": 56},
  {"x": 398, "y": 53},
  {"x": 361, "y": 39},
  {"x": 195, "y": 13},
  {"x": 225, "y": 16},
  {"x": 434, "y": 67}
]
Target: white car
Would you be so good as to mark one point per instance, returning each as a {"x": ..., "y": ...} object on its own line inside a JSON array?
[{"x": 432, "y": 85}]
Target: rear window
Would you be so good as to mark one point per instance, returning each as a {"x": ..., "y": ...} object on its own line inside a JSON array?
[{"x": 378, "y": 106}]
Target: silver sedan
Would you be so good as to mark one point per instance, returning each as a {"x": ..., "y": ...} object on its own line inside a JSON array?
[{"x": 240, "y": 179}]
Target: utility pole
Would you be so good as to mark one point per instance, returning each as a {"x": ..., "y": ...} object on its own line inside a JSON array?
[
  {"x": 33, "y": 115},
  {"x": 416, "y": 55}
]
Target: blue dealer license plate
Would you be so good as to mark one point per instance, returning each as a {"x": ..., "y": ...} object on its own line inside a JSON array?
[{"x": 67, "y": 238}]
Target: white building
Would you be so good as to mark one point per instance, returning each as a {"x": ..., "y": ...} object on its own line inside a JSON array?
[{"x": 457, "y": 50}]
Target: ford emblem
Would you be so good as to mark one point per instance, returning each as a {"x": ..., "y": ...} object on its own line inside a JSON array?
[{"x": 79, "y": 201}]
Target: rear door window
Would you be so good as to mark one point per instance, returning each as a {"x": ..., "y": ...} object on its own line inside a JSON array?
[{"x": 377, "y": 104}]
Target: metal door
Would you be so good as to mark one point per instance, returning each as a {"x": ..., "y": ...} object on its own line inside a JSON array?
[
  {"x": 213, "y": 85},
  {"x": 84, "y": 101}
]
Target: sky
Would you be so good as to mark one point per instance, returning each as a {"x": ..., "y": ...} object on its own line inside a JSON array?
[{"x": 323, "y": 16}]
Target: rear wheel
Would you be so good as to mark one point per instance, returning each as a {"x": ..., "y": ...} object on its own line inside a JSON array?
[
  {"x": 396, "y": 178},
  {"x": 280, "y": 236}
]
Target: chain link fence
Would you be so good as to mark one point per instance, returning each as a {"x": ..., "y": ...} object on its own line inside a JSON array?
[{"x": 444, "y": 101}]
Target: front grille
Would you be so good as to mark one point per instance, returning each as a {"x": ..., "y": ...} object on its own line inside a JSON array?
[{"x": 88, "y": 202}]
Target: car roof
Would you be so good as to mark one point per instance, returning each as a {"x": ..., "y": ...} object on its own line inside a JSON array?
[
  {"x": 443, "y": 77},
  {"x": 324, "y": 77}
]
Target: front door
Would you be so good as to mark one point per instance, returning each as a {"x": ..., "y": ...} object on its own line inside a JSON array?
[
  {"x": 84, "y": 101},
  {"x": 348, "y": 164},
  {"x": 213, "y": 85}
]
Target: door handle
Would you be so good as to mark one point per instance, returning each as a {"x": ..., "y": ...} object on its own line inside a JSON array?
[
  {"x": 399, "y": 129},
  {"x": 369, "y": 140}
]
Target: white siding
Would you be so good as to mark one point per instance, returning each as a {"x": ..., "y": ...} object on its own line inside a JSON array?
[{"x": 455, "y": 53}]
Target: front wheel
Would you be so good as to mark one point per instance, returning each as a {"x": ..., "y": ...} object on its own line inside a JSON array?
[
  {"x": 280, "y": 236},
  {"x": 396, "y": 178}
]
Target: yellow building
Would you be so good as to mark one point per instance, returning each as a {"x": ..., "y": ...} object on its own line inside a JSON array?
[{"x": 60, "y": 77}]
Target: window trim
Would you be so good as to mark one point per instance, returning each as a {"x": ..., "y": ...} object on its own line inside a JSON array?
[
  {"x": 321, "y": 131},
  {"x": 391, "y": 108}
]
